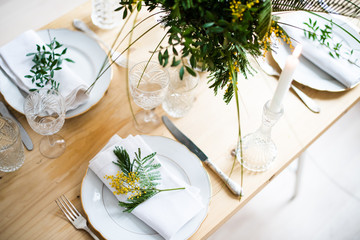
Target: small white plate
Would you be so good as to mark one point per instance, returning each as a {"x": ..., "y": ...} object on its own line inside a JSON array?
[
  {"x": 107, "y": 218},
  {"x": 88, "y": 57},
  {"x": 307, "y": 73}
]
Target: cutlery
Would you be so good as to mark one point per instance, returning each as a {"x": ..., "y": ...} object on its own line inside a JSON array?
[
  {"x": 309, "y": 103},
  {"x": 234, "y": 187},
  {"x": 24, "y": 135},
  {"x": 80, "y": 25},
  {"x": 73, "y": 215},
  {"x": 306, "y": 100}
]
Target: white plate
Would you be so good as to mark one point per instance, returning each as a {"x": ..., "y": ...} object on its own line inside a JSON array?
[
  {"x": 308, "y": 73},
  {"x": 88, "y": 57},
  {"x": 107, "y": 218}
]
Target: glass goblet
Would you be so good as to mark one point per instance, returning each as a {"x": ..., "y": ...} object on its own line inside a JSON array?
[
  {"x": 148, "y": 83},
  {"x": 45, "y": 112}
]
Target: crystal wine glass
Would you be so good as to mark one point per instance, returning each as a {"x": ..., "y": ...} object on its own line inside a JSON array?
[
  {"x": 148, "y": 82},
  {"x": 45, "y": 112}
]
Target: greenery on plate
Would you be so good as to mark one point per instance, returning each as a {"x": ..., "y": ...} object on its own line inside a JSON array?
[
  {"x": 137, "y": 179},
  {"x": 324, "y": 36},
  {"x": 47, "y": 59}
]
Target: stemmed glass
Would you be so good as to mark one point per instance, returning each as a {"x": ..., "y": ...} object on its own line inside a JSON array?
[
  {"x": 148, "y": 83},
  {"x": 45, "y": 112}
]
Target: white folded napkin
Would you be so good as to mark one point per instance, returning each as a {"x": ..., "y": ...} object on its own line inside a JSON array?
[
  {"x": 166, "y": 212},
  {"x": 346, "y": 73},
  {"x": 16, "y": 64}
]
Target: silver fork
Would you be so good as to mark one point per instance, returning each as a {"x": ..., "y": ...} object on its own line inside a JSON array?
[{"x": 73, "y": 215}]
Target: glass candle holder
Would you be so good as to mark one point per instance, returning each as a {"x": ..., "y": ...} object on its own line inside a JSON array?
[{"x": 258, "y": 149}]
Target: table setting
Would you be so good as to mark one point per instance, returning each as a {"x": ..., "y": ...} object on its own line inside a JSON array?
[
  {"x": 194, "y": 195},
  {"x": 316, "y": 60}
]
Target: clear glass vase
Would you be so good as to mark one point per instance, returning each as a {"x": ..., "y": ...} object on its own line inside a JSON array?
[{"x": 258, "y": 149}]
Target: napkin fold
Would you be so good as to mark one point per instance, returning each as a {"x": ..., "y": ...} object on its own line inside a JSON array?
[
  {"x": 16, "y": 64},
  {"x": 166, "y": 212},
  {"x": 346, "y": 73}
]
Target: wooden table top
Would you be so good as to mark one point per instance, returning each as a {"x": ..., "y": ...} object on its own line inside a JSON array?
[{"x": 27, "y": 207}]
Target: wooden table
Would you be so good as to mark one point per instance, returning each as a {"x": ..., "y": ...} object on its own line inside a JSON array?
[{"x": 27, "y": 207}]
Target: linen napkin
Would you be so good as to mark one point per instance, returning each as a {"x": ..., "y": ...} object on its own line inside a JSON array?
[
  {"x": 346, "y": 73},
  {"x": 166, "y": 212},
  {"x": 16, "y": 64}
]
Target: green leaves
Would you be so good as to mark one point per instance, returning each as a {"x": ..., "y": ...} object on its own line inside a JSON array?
[
  {"x": 190, "y": 70},
  {"x": 323, "y": 35},
  {"x": 123, "y": 160},
  {"x": 209, "y": 24},
  {"x": 175, "y": 62},
  {"x": 146, "y": 172},
  {"x": 264, "y": 19},
  {"x": 133, "y": 203},
  {"x": 46, "y": 62},
  {"x": 181, "y": 72},
  {"x": 163, "y": 58},
  {"x": 209, "y": 34}
]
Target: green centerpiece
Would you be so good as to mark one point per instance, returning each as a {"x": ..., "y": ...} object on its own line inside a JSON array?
[{"x": 220, "y": 36}]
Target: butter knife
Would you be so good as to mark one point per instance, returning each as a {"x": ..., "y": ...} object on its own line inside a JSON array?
[
  {"x": 234, "y": 187},
  {"x": 24, "y": 136}
]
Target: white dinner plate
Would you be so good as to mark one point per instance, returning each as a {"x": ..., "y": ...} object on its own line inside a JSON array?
[
  {"x": 309, "y": 74},
  {"x": 88, "y": 57},
  {"x": 105, "y": 215}
]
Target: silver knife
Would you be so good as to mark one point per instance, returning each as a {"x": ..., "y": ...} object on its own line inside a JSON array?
[
  {"x": 24, "y": 136},
  {"x": 234, "y": 187}
]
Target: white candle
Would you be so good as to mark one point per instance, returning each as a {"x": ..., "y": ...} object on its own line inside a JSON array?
[{"x": 285, "y": 80}]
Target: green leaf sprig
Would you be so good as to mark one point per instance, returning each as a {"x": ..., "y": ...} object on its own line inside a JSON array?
[
  {"x": 46, "y": 61},
  {"x": 324, "y": 36},
  {"x": 138, "y": 178}
]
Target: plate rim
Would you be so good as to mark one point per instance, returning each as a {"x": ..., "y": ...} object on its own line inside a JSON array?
[{"x": 185, "y": 148}]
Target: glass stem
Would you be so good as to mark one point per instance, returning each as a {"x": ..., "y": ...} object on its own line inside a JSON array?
[
  {"x": 149, "y": 115},
  {"x": 51, "y": 140}
]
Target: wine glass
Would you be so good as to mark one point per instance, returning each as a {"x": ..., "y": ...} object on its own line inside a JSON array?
[
  {"x": 148, "y": 82},
  {"x": 45, "y": 112}
]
